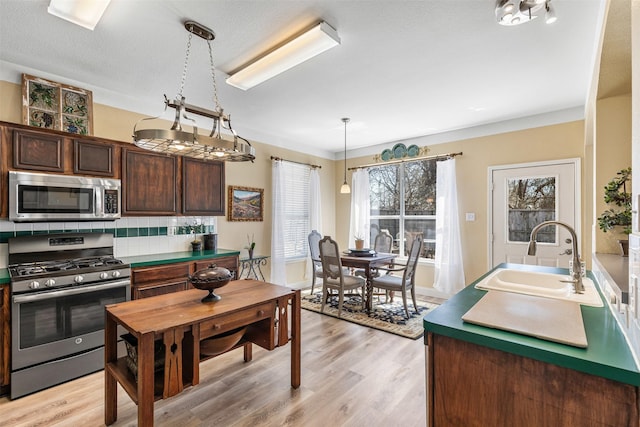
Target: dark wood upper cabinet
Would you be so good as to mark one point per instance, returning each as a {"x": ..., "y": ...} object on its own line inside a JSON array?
[
  {"x": 38, "y": 151},
  {"x": 202, "y": 187},
  {"x": 152, "y": 183},
  {"x": 93, "y": 158},
  {"x": 149, "y": 183}
]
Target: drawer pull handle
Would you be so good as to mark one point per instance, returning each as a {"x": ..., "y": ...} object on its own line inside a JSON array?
[
  {"x": 216, "y": 326},
  {"x": 260, "y": 312}
]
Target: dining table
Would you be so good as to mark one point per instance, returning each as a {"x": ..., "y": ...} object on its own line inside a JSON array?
[{"x": 369, "y": 262}]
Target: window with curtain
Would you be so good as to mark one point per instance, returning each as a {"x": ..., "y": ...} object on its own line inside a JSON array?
[
  {"x": 403, "y": 201},
  {"x": 296, "y": 210}
]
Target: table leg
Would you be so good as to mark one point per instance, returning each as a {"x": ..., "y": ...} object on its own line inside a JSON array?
[
  {"x": 368, "y": 289},
  {"x": 295, "y": 340},
  {"x": 145, "y": 379},
  {"x": 248, "y": 352},
  {"x": 110, "y": 383}
]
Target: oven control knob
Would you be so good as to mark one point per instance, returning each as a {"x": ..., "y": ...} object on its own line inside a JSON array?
[
  {"x": 116, "y": 274},
  {"x": 49, "y": 282},
  {"x": 103, "y": 275},
  {"x": 78, "y": 279},
  {"x": 34, "y": 285}
]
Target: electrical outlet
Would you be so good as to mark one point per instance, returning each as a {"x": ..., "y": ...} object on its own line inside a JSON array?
[{"x": 470, "y": 216}]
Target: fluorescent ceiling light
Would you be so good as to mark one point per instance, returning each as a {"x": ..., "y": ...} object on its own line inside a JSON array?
[
  {"x": 307, "y": 45},
  {"x": 85, "y": 13}
]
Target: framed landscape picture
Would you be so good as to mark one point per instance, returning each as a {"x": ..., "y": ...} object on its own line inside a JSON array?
[
  {"x": 245, "y": 204},
  {"x": 52, "y": 105}
]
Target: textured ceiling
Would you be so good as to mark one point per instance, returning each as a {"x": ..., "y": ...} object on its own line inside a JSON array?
[{"x": 404, "y": 69}]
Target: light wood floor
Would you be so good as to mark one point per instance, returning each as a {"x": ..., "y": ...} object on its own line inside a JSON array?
[{"x": 351, "y": 376}]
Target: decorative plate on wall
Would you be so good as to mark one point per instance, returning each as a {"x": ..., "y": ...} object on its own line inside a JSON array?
[
  {"x": 399, "y": 151},
  {"x": 413, "y": 150}
]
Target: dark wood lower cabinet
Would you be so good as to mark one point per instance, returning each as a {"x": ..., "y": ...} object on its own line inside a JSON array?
[
  {"x": 473, "y": 385},
  {"x": 169, "y": 278}
]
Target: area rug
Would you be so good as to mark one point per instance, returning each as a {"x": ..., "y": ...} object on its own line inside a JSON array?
[{"x": 388, "y": 317}]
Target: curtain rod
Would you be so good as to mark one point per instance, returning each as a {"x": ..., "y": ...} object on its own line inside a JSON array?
[
  {"x": 280, "y": 159},
  {"x": 412, "y": 159}
]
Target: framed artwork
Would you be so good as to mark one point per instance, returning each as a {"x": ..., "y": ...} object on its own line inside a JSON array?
[
  {"x": 52, "y": 105},
  {"x": 245, "y": 204}
]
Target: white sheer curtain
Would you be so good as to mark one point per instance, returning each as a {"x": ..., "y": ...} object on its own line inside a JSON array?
[
  {"x": 360, "y": 207},
  {"x": 278, "y": 268},
  {"x": 315, "y": 201},
  {"x": 449, "y": 271},
  {"x": 315, "y": 212}
]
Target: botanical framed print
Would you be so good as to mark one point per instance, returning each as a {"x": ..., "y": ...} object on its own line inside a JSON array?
[
  {"x": 52, "y": 105},
  {"x": 245, "y": 204}
]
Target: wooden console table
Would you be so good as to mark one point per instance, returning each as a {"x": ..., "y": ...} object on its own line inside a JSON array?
[{"x": 180, "y": 320}]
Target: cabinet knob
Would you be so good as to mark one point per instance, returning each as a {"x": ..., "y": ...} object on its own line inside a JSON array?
[
  {"x": 216, "y": 326},
  {"x": 260, "y": 312}
]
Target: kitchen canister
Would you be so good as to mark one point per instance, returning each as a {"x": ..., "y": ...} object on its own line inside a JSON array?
[{"x": 210, "y": 242}]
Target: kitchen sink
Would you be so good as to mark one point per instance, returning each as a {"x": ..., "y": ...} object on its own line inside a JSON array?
[{"x": 547, "y": 285}]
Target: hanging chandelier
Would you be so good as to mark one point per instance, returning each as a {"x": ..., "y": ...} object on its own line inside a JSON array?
[{"x": 178, "y": 141}]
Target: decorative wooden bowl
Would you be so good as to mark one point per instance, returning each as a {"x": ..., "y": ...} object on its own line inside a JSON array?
[
  {"x": 210, "y": 278},
  {"x": 221, "y": 343}
]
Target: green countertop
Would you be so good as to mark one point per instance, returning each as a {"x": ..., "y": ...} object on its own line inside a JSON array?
[
  {"x": 608, "y": 355},
  {"x": 4, "y": 276},
  {"x": 173, "y": 257}
]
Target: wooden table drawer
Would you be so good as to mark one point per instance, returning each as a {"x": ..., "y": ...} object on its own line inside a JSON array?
[
  {"x": 160, "y": 273},
  {"x": 241, "y": 318}
]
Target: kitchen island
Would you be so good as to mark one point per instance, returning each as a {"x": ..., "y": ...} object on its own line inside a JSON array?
[
  {"x": 483, "y": 376},
  {"x": 264, "y": 314}
]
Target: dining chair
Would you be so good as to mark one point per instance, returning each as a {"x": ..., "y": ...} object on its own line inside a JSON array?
[
  {"x": 314, "y": 249},
  {"x": 333, "y": 276},
  {"x": 390, "y": 282},
  {"x": 383, "y": 243}
]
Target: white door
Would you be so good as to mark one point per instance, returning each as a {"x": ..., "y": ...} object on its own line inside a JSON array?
[{"x": 523, "y": 196}]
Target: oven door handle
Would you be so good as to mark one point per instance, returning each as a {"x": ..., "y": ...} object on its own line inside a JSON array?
[{"x": 18, "y": 299}]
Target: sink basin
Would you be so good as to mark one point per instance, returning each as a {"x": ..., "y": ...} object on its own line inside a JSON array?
[{"x": 547, "y": 285}]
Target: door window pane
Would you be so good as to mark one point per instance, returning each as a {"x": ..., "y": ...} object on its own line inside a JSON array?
[{"x": 531, "y": 201}]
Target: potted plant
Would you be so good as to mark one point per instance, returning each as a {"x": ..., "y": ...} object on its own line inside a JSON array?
[
  {"x": 619, "y": 215},
  {"x": 196, "y": 245},
  {"x": 359, "y": 241},
  {"x": 250, "y": 246}
]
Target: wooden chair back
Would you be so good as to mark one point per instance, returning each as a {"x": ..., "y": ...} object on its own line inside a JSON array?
[{"x": 383, "y": 242}]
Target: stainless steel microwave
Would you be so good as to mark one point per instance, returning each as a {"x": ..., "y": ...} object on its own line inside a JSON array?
[{"x": 46, "y": 197}]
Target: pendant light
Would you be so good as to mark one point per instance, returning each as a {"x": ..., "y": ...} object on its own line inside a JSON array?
[
  {"x": 177, "y": 141},
  {"x": 345, "y": 187}
]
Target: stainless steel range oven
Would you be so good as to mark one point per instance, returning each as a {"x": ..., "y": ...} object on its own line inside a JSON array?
[{"x": 60, "y": 284}]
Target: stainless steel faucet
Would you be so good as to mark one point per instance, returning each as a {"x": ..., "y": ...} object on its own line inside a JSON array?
[{"x": 577, "y": 270}]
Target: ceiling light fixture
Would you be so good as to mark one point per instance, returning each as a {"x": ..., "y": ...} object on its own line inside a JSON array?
[
  {"x": 515, "y": 12},
  {"x": 344, "y": 189},
  {"x": 305, "y": 46},
  {"x": 190, "y": 144},
  {"x": 85, "y": 13}
]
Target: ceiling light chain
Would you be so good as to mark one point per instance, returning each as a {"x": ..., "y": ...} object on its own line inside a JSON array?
[
  {"x": 213, "y": 77},
  {"x": 184, "y": 69}
]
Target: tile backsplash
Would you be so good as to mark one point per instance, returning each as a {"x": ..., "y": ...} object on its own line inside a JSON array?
[{"x": 132, "y": 236}]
